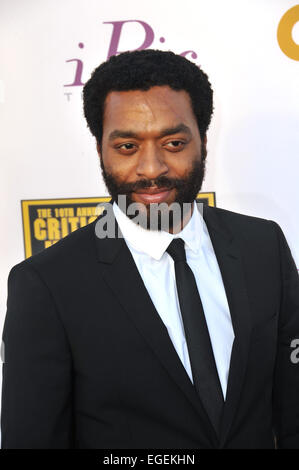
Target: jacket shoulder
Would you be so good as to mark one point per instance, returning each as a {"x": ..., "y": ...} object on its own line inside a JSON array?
[
  {"x": 237, "y": 217},
  {"x": 70, "y": 251},
  {"x": 250, "y": 231},
  {"x": 235, "y": 221}
]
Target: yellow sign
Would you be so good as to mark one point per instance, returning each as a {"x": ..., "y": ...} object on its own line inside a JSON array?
[
  {"x": 284, "y": 33},
  {"x": 45, "y": 221}
]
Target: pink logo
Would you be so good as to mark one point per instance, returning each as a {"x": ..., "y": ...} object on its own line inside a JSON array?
[{"x": 117, "y": 31}]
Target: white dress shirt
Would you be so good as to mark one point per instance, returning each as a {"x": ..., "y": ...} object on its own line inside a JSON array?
[{"x": 156, "y": 268}]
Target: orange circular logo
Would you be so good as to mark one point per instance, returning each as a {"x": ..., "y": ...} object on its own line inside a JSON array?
[{"x": 284, "y": 33}]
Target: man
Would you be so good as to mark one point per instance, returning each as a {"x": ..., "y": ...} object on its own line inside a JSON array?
[{"x": 155, "y": 336}]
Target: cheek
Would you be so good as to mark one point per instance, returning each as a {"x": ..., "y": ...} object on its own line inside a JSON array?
[
  {"x": 180, "y": 166},
  {"x": 111, "y": 161},
  {"x": 120, "y": 168}
]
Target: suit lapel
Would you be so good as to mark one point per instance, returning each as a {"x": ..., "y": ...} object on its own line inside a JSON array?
[
  {"x": 122, "y": 276},
  {"x": 230, "y": 263}
]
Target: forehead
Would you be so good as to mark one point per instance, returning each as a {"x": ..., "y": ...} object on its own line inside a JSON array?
[{"x": 158, "y": 107}]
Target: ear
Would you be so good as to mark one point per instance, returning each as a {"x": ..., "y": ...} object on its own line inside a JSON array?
[
  {"x": 99, "y": 150},
  {"x": 204, "y": 144}
]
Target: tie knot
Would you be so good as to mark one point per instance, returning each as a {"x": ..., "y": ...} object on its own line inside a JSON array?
[{"x": 176, "y": 249}]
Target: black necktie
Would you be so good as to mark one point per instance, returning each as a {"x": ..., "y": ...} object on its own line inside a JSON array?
[{"x": 204, "y": 371}]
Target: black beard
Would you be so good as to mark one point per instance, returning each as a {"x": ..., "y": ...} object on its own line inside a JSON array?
[{"x": 187, "y": 188}]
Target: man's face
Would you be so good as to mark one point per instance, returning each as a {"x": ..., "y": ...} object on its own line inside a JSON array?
[{"x": 151, "y": 150}]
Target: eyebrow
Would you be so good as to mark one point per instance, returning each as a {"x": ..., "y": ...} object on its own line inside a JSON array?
[{"x": 165, "y": 132}]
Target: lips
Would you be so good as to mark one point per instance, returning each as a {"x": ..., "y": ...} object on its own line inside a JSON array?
[{"x": 153, "y": 194}]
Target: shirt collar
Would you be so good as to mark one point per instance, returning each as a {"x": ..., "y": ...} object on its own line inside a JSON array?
[{"x": 154, "y": 242}]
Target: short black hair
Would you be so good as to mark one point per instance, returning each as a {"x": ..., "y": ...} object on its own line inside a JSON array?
[{"x": 141, "y": 70}]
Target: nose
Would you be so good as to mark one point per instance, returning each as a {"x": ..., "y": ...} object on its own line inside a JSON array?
[{"x": 151, "y": 163}]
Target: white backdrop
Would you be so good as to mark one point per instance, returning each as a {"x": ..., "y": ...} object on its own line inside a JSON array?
[{"x": 46, "y": 150}]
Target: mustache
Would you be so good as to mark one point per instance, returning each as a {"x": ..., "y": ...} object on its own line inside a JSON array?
[{"x": 160, "y": 182}]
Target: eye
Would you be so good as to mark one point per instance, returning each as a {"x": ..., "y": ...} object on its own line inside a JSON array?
[
  {"x": 175, "y": 145},
  {"x": 126, "y": 148}
]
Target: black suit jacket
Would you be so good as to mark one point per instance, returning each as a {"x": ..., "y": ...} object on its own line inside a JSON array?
[{"x": 89, "y": 363}]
